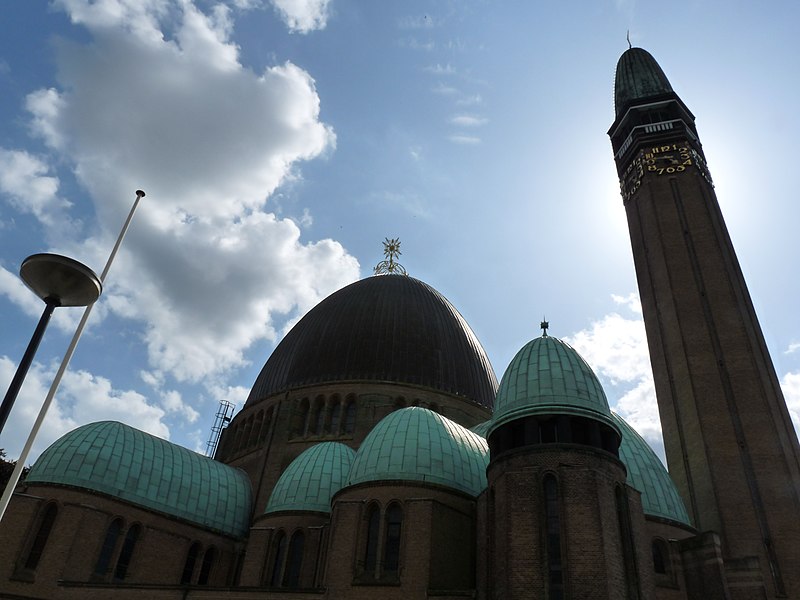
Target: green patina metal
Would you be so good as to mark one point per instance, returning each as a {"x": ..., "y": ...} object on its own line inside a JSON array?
[
  {"x": 482, "y": 429},
  {"x": 638, "y": 76},
  {"x": 134, "y": 466},
  {"x": 660, "y": 498},
  {"x": 548, "y": 377},
  {"x": 312, "y": 479},
  {"x": 416, "y": 444}
]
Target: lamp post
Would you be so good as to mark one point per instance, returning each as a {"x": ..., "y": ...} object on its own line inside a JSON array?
[
  {"x": 12, "y": 482},
  {"x": 59, "y": 281}
]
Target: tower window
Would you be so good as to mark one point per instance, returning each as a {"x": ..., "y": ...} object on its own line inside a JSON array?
[
  {"x": 371, "y": 552},
  {"x": 291, "y": 578},
  {"x": 391, "y": 549},
  {"x": 555, "y": 571},
  {"x": 107, "y": 549},
  {"x": 126, "y": 554},
  {"x": 205, "y": 568},
  {"x": 277, "y": 562},
  {"x": 336, "y": 414},
  {"x": 660, "y": 557},
  {"x": 42, "y": 534},
  {"x": 350, "y": 415},
  {"x": 188, "y": 566}
]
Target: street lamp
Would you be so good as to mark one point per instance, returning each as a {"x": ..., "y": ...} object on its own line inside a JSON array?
[{"x": 59, "y": 281}]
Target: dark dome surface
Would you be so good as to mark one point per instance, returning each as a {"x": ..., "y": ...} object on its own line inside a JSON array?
[
  {"x": 384, "y": 328},
  {"x": 638, "y": 76}
]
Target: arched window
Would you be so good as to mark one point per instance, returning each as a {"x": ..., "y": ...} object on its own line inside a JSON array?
[
  {"x": 555, "y": 573},
  {"x": 299, "y": 425},
  {"x": 107, "y": 549},
  {"x": 237, "y": 440},
  {"x": 391, "y": 548},
  {"x": 40, "y": 541},
  {"x": 660, "y": 557},
  {"x": 256, "y": 429},
  {"x": 336, "y": 415},
  {"x": 291, "y": 578},
  {"x": 205, "y": 568},
  {"x": 277, "y": 562},
  {"x": 126, "y": 554},
  {"x": 371, "y": 550},
  {"x": 350, "y": 415},
  {"x": 266, "y": 425},
  {"x": 188, "y": 566},
  {"x": 248, "y": 425},
  {"x": 319, "y": 415}
]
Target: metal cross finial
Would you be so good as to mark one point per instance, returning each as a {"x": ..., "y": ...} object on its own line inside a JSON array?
[
  {"x": 391, "y": 250},
  {"x": 544, "y": 325}
]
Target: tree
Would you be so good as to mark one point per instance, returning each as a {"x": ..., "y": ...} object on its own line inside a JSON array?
[{"x": 7, "y": 468}]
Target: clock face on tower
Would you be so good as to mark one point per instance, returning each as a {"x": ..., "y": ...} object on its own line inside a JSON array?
[
  {"x": 662, "y": 160},
  {"x": 668, "y": 158}
]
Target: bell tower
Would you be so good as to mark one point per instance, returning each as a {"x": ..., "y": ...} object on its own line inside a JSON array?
[{"x": 730, "y": 443}]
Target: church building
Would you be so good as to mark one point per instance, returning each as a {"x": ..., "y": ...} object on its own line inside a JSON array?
[{"x": 377, "y": 457}]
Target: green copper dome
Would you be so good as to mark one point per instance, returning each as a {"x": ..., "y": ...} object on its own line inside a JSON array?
[
  {"x": 638, "y": 76},
  {"x": 481, "y": 428},
  {"x": 417, "y": 444},
  {"x": 548, "y": 377},
  {"x": 660, "y": 498},
  {"x": 311, "y": 480},
  {"x": 134, "y": 466}
]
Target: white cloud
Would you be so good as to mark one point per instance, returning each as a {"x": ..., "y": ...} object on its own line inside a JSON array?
[
  {"x": 790, "y": 383},
  {"x": 444, "y": 90},
  {"x": 420, "y": 22},
  {"x": 26, "y": 181},
  {"x": 158, "y": 100},
  {"x": 468, "y": 121},
  {"x": 793, "y": 347},
  {"x": 81, "y": 398},
  {"x": 466, "y": 140},
  {"x": 303, "y": 16},
  {"x": 616, "y": 348},
  {"x": 470, "y": 100},
  {"x": 172, "y": 402},
  {"x": 439, "y": 69}
]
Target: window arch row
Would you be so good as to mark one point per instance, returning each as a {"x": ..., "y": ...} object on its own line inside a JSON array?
[
  {"x": 286, "y": 559},
  {"x": 248, "y": 434},
  {"x": 381, "y": 542},
  {"x": 331, "y": 416},
  {"x": 117, "y": 551}
]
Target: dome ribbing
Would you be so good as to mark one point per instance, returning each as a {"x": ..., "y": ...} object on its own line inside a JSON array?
[
  {"x": 389, "y": 328},
  {"x": 646, "y": 474},
  {"x": 311, "y": 480},
  {"x": 416, "y": 444},
  {"x": 548, "y": 377},
  {"x": 638, "y": 76},
  {"x": 137, "y": 467}
]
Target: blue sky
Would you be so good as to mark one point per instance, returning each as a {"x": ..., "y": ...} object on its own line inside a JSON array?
[{"x": 279, "y": 142}]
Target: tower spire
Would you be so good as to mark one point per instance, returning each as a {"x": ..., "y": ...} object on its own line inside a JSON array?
[{"x": 730, "y": 444}]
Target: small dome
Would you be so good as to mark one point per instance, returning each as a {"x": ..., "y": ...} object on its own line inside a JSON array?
[
  {"x": 638, "y": 76},
  {"x": 548, "y": 377},
  {"x": 311, "y": 480},
  {"x": 386, "y": 328},
  {"x": 481, "y": 428},
  {"x": 137, "y": 467},
  {"x": 417, "y": 444},
  {"x": 646, "y": 474}
]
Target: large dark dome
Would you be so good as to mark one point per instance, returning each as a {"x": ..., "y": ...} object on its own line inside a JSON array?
[{"x": 383, "y": 328}]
